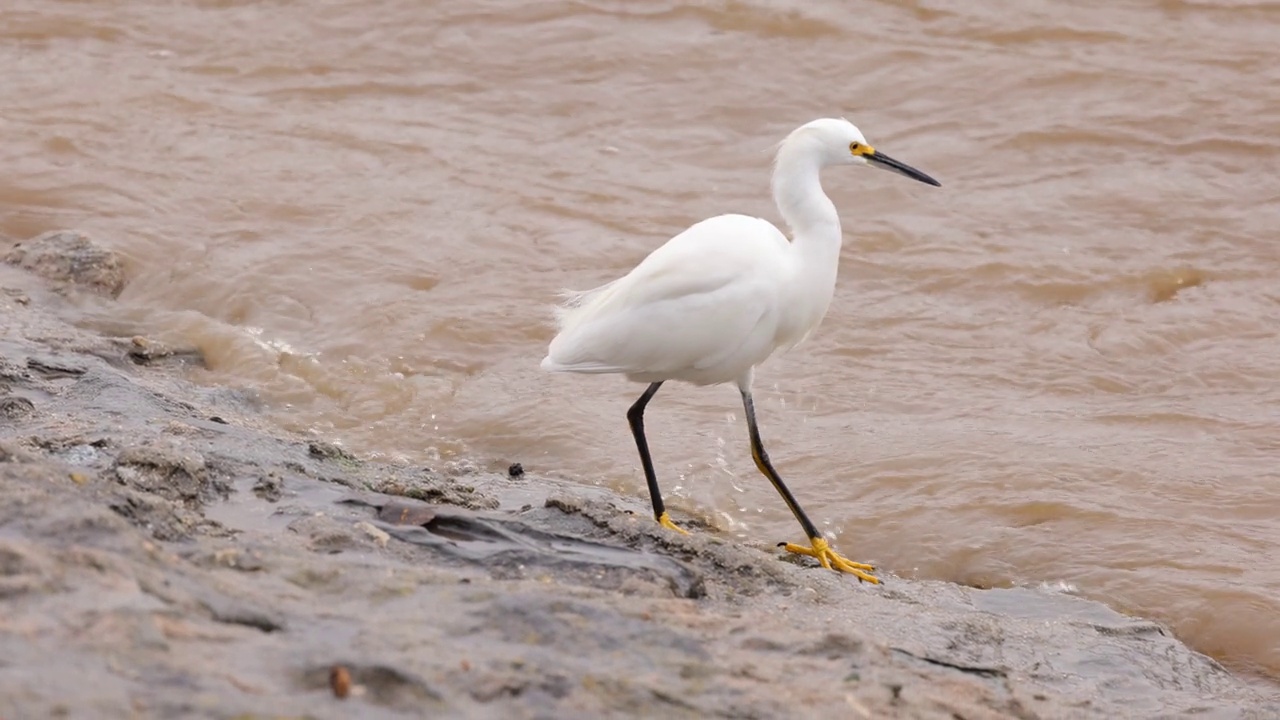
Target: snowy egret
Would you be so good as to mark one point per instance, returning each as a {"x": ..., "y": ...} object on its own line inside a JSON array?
[{"x": 718, "y": 299}]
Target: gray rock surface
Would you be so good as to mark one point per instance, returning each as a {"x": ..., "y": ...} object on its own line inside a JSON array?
[
  {"x": 66, "y": 259},
  {"x": 165, "y": 554}
]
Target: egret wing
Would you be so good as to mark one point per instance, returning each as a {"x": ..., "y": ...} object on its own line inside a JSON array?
[
  {"x": 670, "y": 335},
  {"x": 692, "y": 303}
]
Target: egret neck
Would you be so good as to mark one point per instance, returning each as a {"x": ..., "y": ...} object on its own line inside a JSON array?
[{"x": 813, "y": 220}]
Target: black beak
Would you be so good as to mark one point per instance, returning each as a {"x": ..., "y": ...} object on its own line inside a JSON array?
[{"x": 884, "y": 162}]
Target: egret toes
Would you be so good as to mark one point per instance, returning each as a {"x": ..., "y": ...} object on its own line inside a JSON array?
[
  {"x": 665, "y": 521},
  {"x": 832, "y": 560}
]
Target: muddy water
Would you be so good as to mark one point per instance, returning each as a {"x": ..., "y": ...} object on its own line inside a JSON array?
[{"x": 1062, "y": 367}]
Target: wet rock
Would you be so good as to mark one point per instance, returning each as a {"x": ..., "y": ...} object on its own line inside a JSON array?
[
  {"x": 143, "y": 351},
  {"x": 379, "y": 536},
  {"x": 238, "y": 612},
  {"x": 171, "y": 473},
  {"x": 325, "y": 534},
  {"x": 82, "y": 453},
  {"x": 17, "y": 296},
  {"x": 329, "y": 451},
  {"x": 12, "y": 451},
  {"x": 11, "y": 371},
  {"x": 268, "y": 487},
  {"x": 833, "y": 645},
  {"x": 432, "y": 488},
  {"x": 15, "y": 408},
  {"x": 24, "y": 569},
  {"x": 232, "y": 558},
  {"x": 572, "y": 510},
  {"x": 70, "y": 259},
  {"x": 52, "y": 367},
  {"x": 402, "y": 513},
  {"x": 510, "y": 548},
  {"x": 164, "y": 519}
]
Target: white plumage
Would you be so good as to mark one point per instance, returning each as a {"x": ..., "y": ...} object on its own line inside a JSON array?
[
  {"x": 663, "y": 322},
  {"x": 722, "y": 296}
]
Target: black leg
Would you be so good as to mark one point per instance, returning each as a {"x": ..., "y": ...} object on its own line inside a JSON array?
[
  {"x": 766, "y": 468},
  {"x": 820, "y": 548},
  {"x": 635, "y": 416}
]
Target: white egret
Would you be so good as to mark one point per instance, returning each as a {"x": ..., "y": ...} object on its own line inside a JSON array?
[{"x": 718, "y": 299}]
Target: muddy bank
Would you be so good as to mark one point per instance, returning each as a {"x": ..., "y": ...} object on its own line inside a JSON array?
[{"x": 164, "y": 554}]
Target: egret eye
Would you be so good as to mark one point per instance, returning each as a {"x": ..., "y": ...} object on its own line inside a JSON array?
[{"x": 855, "y": 147}]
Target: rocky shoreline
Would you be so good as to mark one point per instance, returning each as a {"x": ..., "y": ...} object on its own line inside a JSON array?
[{"x": 164, "y": 553}]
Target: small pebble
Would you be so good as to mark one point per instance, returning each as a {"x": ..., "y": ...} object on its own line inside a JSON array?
[
  {"x": 340, "y": 681},
  {"x": 378, "y": 535}
]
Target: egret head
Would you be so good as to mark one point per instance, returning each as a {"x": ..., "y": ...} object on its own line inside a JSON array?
[{"x": 840, "y": 142}]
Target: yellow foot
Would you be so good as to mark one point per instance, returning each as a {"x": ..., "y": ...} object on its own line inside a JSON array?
[
  {"x": 831, "y": 560},
  {"x": 665, "y": 521}
]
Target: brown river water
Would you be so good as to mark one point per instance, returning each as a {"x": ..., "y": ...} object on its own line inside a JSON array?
[{"x": 1059, "y": 370}]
